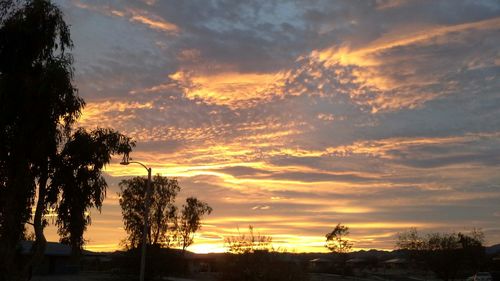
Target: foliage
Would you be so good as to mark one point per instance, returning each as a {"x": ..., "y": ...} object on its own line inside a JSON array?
[
  {"x": 163, "y": 212},
  {"x": 166, "y": 227},
  {"x": 38, "y": 105},
  {"x": 79, "y": 182},
  {"x": 190, "y": 220},
  {"x": 41, "y": 163},
  {"x": 262, "y": 266},
  {"x": 410, "y": 240},
  {"x": 448, "y": 255},
  {"x": 248, "y": 243},
  {"x": 8, "y": 7},
  {"x": 336, "y": 240},
  {"x": 252, "y": 257},
  {"x": 160, "y": 262}
]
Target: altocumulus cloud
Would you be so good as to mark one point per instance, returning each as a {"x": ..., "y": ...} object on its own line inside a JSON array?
[{"x": 295, "y": 115}]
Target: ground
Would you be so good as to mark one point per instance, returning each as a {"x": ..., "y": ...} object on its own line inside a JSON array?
[
  {"x": 79, "y": 277},
  {"x": 314, "y": 277}
]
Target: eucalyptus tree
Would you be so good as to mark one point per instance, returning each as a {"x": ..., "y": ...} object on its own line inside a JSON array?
[
  {"x": 162, "y": 230},
  {"x": 42, "y": 163},
  {"x": 38, "y": 105},
  {"x": 167, "y": 227},
  {"x": 190, "y": 220},
  {"x": 78, "y": 184}
]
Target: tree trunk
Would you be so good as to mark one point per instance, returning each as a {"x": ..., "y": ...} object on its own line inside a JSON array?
[
  {"x": 156, "y": 235},
  {"x": 15, "y": 198},
  {"x": 38, "y": 225}
]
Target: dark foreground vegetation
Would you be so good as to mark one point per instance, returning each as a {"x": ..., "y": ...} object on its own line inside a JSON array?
[
  {"x": 251, "y": 256},
  {"x": 280, "y": 266}
]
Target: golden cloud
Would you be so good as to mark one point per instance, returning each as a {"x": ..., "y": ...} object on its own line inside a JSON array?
[
  {"x": 390, "y": 93},
  {"x": 155, "y": 23},
  {"x": 232, "y": 89}
]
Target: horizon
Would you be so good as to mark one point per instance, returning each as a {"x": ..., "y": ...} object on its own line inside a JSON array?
[{"x": 295, "y": 116}]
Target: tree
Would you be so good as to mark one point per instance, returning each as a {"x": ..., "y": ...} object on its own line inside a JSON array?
[
  {"x": 446, "y": 254},
  {"x": 41, "y": 163},
  {"x": 38, "y": 105},
  {"x": 248, "y": 243},
  {"x": 78, "y": 181},
  {"x": 337, "y": 243},
  {"x": 164, "y": 212},
  {"x": 7, "y": 7},
  {"x": 163, "y": 216},
  {"x": 410, "y": 240},
  {"x": 252, "y": 257},
  {"x": 336, "y": 240},
  {"x": 190, "y": 220},
  {"x": 413, "y": 243}
]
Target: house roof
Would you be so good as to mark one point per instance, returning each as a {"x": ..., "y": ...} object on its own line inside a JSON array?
[
  {"x": 52, "y": 249},
  {"x": 356, "y": 260},
  {"x": 395, "y": 261},
  {"x": 320, "y": 260}
]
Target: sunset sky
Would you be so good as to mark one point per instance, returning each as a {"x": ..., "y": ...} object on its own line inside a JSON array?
[{"x": 292, "y": 116}]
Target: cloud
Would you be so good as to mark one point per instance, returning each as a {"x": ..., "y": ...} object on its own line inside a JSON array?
[
  {"x": 155, "y": 24},
  {"x": 239, "y": 171},
  {"x": 378, "y": 114},
  {"x": 230, "y": 89}
]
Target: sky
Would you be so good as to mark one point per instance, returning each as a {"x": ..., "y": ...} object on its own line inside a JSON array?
[{"x": 293, "y": 116}]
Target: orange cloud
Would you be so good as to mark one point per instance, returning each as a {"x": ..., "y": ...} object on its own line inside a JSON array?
[
  {"x": 155, "y": 23},
  {"x": 394, "y": 94},
  {"x": 363, "y": 56},
  {"x": 396, "y": 39},
  {"x": 133, "y": 15},
  {"x": 93, "y": 112},
  {"x": 230, "y": 88}
]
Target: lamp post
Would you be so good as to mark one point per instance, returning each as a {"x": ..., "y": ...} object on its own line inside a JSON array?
[{"x": 126, "y": 161}]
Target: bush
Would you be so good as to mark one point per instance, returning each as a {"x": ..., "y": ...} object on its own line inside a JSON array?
[
  {"x": 262, "y": 266},
  {"x": 159, "y": 262}
]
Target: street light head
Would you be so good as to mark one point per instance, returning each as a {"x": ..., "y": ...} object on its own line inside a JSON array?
[{"x": 125, "y": 160}]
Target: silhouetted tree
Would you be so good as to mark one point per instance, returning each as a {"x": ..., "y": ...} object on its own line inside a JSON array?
[
  {"x": 41, "y": 163},
  {"x": 38, "y": 105},
  {"x": 337, "y": 243},
  {"x": 446, "y": 254},
  {"x": 8, "y": 7},
  {"x": 78, "y": 181},
  {"x": 336, "y": 240},
  {"x": 414, "y": 243},
  {"x": 164, "y": 212},
  {"x": 248, "y": 243},
  {"x": 252, "y": 257},
  {"x": 190, "y": 220},
  {"x": 163, "y": 216},
  {"x": 410, "y": 240}
]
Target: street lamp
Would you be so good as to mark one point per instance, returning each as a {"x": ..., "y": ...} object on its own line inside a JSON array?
[{"x": 125, "y": 162}]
